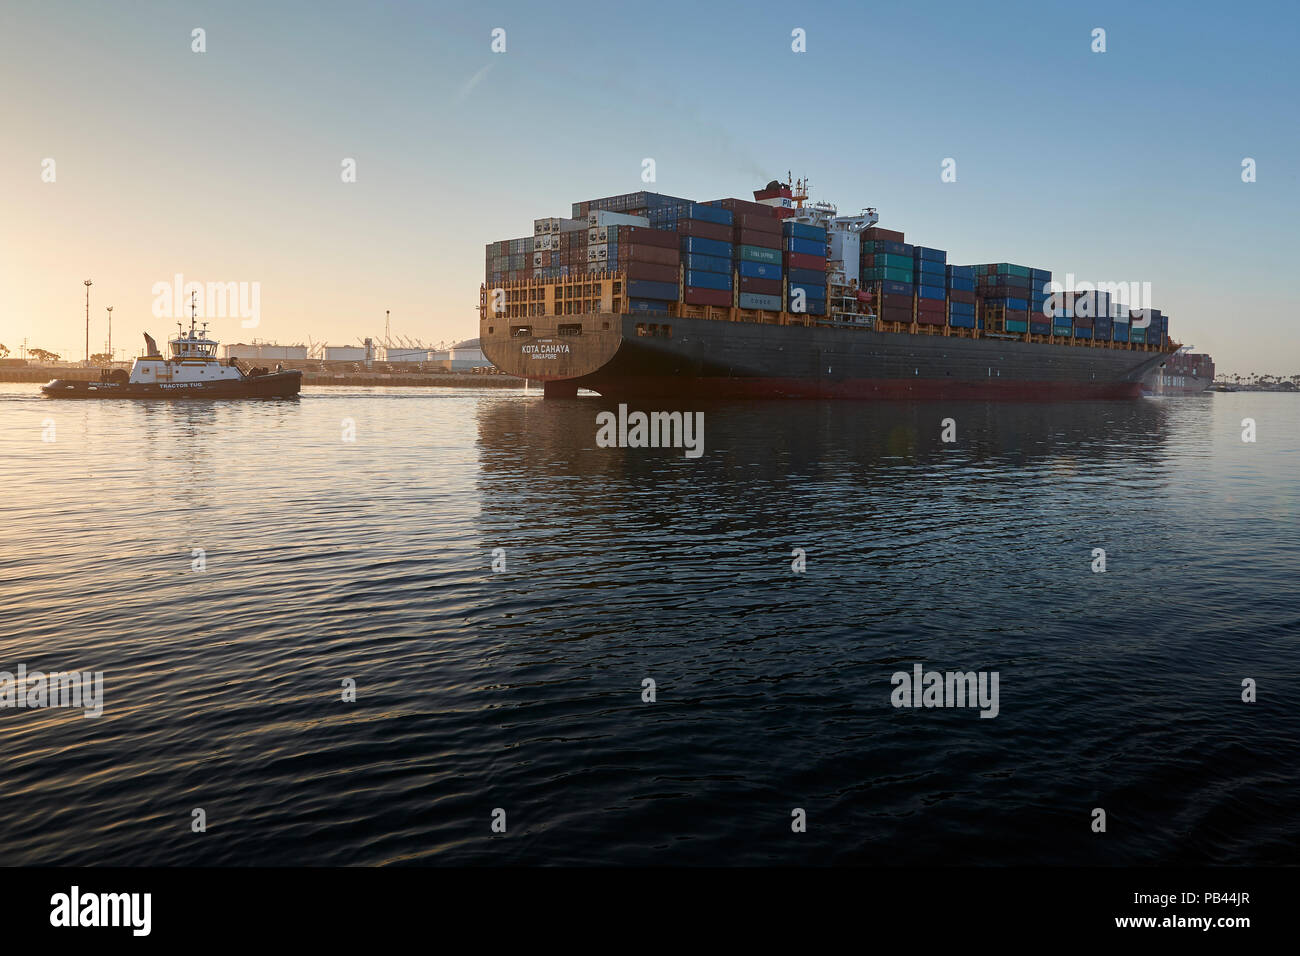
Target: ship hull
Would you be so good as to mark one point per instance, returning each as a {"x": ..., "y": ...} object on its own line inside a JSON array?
[
  {"x": 709, "y": 358},
  {"x": 274, "y": 385}
]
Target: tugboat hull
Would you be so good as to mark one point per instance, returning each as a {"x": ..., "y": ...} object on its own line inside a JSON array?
[{"x": 273, "y": 385}]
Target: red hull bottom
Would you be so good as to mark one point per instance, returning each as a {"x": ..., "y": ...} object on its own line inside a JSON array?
[{"x": 886, "y": 389}]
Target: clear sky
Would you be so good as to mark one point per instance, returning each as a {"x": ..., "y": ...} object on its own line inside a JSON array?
[{"x": 225, "y": 166}]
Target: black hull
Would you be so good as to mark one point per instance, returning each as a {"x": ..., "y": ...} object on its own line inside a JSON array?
[
  {"x": 275, "y": 385},
  {"x": 708, "y": 358}
]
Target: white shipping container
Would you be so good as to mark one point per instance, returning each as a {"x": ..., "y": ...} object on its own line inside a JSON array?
[
  {"x": 345, "y": 353},
  {"x": 602, "y": 217}
]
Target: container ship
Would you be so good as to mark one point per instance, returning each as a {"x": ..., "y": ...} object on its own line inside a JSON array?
[
  {"x": 644, "y": 295},
  {"x": 1183, "y": 373}
]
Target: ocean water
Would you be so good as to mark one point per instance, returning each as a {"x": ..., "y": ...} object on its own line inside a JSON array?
[{"x": 228, "y": 566}]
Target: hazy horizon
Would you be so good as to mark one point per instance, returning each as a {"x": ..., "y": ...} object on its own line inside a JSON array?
[{"x": 225, "y": 166}]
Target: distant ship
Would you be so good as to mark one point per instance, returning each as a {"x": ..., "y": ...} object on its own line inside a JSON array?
[
  {"x": 192, "y": 370},
  {"x": 1183, "y": 373}
]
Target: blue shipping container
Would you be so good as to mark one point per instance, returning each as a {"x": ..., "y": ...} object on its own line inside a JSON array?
[
  {"x": 810, "y": 306},
  {"x": 799, "y": 230},
  {"x": 645, "y": 289},
  {"x": 962, "y": 321},
  {"x": 710, "y": 247},
  {"x": 961, "y": 272},
  {"x": 893, "y": 248},
  {"x": 930, "y": 292},
  {"x": 709, "y": 280},
  {"x": 702, "y": 263},
  {"x": 810, "y": 291},
  {"x": 808, "y": 276},
  {"x": 806, "y": 247},
  {"x": 961, "y": 308},
  {"x": 930, "y": 255},
  {"x": 647, "y": 305},
  {"x": 759, "y": 270},
  {"x": 961, "y": 285},
  {"x": 896, "y": 288},
  {"x": 709, "y": 214}
]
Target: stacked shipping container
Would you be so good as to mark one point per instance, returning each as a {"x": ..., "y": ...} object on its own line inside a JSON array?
[
  {"x": 887, "y": 274},
  {"x": 805, "y": 266},
  {"x": 732, "y": 252},
  {"x": 960, "y": 285},
  {"x": 929, "y": 276},
  {"x": 756, "y": 253}
]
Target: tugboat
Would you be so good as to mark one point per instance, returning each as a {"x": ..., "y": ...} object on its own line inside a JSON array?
[{"x": 192, "y": 370}]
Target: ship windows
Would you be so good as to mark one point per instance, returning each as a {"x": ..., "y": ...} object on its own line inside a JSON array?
[
  {"x": 569, "y": 328},
  {"x": 521, "y": 331}
]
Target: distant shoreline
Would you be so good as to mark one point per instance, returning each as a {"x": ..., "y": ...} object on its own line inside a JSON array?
[{"x": 39, "y": 375}]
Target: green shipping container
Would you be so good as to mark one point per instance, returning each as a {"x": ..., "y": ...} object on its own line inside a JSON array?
[
  {"x": 1007, "y": 269},
  {"x": 877, "y": 274},
  {"x": 885, "y": 260},
  {"x": 759, "y": 254},
  {"x": 1014, "y": 326}
]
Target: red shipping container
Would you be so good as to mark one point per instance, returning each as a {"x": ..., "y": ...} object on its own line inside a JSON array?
[
  {"x": 645, "y": 236},
  {"x": 925, "y": 318},
  {"x": 764, "y": 240},
  {"x": 801, "y": 260},
  {"x": 760, "y": 286},
  {"x": 895, "y": 301},
  {"x": 747, "y": 207},
  {"x": 700, "y": 229},
  {"x": 706, "y": 296},
  {"x": 895, "y": 315},
  {"x": 887, "y": 235},
  {"x": 958, "y": 295},
  {"x": 651, "y": 271},
  {"x": 656, "y": 254},
  {"x": 765, "y": 223}
]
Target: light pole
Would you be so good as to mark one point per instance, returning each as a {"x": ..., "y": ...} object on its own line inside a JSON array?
[
  {"x": 110, "y": 336},
  {"x": 88, "y": 284}
]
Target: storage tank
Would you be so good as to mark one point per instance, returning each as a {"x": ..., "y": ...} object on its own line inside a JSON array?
[
  {"x": 467, "y": 355},
  {"x": 406, "y": 355},
  {"x": 345, "y": 353},
  {"x": 264, "y": 352}
]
